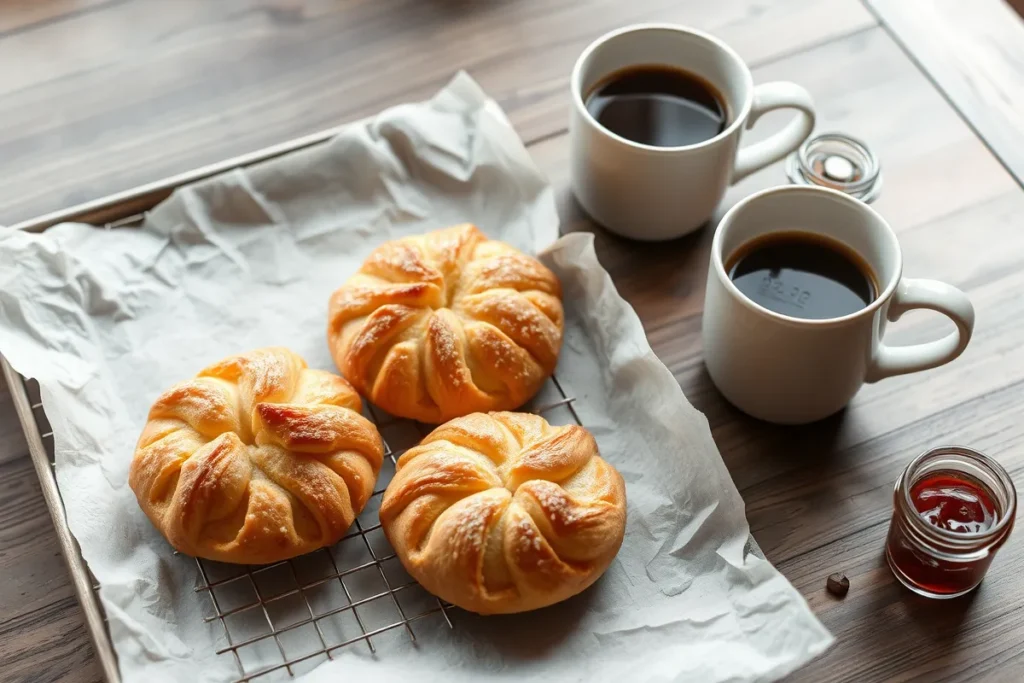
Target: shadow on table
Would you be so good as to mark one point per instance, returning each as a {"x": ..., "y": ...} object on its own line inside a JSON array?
[{"x": 939, "y": 621}]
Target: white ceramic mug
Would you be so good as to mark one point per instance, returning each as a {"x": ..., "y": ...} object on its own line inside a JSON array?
[
  {"x": 657, "y": 193},
  {"x": 791, "y": 370}
]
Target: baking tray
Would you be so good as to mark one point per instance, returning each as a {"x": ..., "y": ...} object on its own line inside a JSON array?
[{"x": 253, "y": 622}]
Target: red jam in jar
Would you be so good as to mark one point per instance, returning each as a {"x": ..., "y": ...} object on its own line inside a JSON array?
[
  {"x": 954, "y": 502},
  {"x": 953, "y": 508}
]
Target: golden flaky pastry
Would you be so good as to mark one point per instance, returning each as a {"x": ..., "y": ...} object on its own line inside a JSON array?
[
  {"x": 445, "y": 324},
  {"x": 256, "y": 460},
  {"x": 502, "y": 512}
]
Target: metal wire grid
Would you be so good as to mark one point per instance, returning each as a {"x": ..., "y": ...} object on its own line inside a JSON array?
[
  {"x": 285, "y": 615},
  {"x": 129, "y": 209}
]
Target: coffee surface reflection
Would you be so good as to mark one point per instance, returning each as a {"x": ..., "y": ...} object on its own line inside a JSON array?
[{"x": 658, "y": 105}]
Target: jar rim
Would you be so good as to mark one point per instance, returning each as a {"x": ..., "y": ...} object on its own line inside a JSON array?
[
  {"x": 800, "y": 168},
  {"x": 955, "y": 537}
]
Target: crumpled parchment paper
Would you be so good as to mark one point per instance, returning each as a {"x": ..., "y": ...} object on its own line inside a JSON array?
[{"x": 106, "y": 320}]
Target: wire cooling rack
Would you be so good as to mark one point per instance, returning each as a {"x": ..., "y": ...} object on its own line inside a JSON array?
[{"x": 297, "y": 613}]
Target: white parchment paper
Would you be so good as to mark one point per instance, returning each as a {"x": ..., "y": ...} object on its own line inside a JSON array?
[{"x": 107, "y": 320}]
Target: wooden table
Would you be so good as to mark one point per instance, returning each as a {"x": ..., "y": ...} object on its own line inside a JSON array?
[{"x": 103, "y": 95}]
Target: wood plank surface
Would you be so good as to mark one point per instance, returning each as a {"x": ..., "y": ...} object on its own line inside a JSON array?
[
  {"x": 25, "y": 15},
  {"x": 42, "y": 632},
  {"x": 12, "y": 439},
  {"x": 819, "y": 497},
  {"x": 136, "y": 89},
  {"x": 140, "y": 89},
  {"x": 975, "y": 53}
]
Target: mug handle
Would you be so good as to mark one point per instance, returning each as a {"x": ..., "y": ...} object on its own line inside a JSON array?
[
  {"x": 936, "y": 296},
  {"x": 767, "y": 97}
]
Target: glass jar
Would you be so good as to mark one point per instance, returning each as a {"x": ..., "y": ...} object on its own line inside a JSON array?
[
  {"x": 837, "y": 161},
  {"x": 953, "y": 508}
]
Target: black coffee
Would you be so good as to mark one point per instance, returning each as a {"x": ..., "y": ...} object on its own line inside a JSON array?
[
  {"x": 658, "y": 105},
  {"x": 802, "y": 275}
]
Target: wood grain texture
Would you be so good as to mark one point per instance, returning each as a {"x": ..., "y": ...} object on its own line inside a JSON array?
[
  {"x": 138, "y": 89},
  {"x": 42, "y": 633},
  {"x": 975, "y": 53},
  {"x": 819, "y": 497},
  {"x": 25, "y": 15},
  {"x": 883, "y": 632},
  {"x": 12, "y": 439}
]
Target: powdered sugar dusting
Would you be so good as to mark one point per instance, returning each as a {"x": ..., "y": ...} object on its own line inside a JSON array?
[
  {"x": 455, "y": 263},
  {"x": 471, "y": 525},
  {"x": 270, "y": 378},
  {"x": 442, "y": 339},
  {"x": 556, "y": 504}
]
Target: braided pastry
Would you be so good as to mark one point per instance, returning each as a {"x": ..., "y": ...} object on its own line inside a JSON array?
[
  {"x": 445, "y": 324},
  {"x": 256, "y": 460},
  {"x": 503, "y": 513}
]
